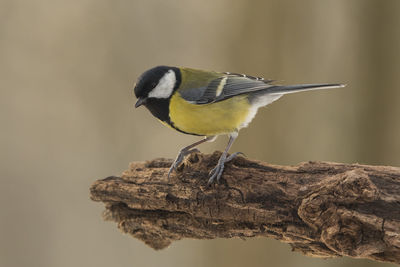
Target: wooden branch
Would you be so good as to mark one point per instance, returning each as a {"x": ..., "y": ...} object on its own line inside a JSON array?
[{"x": 322, "y": 209}]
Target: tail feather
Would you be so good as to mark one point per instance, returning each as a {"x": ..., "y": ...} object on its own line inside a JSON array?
[{"x": 288, "y": 89}]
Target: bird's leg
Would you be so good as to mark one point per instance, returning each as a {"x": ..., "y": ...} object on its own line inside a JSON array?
[
  {"x": 186, "y": 151},
  {"x": 219, "y": 169}
]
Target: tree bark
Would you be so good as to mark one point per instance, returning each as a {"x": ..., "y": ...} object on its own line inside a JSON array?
[{"x": 322, "y": 209}]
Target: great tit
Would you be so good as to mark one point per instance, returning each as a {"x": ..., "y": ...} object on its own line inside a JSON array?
[{"x": 208, "y": 103}]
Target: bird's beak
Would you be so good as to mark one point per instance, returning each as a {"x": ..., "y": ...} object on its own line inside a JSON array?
[{"x": 140, "y": 101}]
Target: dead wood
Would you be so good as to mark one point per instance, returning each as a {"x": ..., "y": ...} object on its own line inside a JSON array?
[{"x": 322, "y": 209}]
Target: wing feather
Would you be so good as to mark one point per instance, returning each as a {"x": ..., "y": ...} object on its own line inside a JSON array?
[{"x": 231, "y": 85}]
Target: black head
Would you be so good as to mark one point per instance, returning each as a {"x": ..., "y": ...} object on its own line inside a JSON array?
[{"x": 157, "y": 83}]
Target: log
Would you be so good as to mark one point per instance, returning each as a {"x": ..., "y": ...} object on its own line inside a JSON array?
[{"x": 321, "y": 209}]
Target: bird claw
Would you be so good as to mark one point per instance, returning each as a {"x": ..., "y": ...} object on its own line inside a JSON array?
[
  {"x": 181, "y": 156},
  {"x": 234, "y": 155},
  {"x": 216, "y": 173}
]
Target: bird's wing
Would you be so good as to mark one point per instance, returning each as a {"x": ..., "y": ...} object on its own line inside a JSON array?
[
  {"x": 223, "y": 86},
  {"x": 232, "y": 85}
]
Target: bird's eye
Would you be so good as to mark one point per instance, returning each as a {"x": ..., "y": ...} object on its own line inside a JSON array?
[{"x": 153, "y": 84}]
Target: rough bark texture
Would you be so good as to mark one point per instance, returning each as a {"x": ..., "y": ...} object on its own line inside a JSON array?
[{"x": 322, "y": 209}]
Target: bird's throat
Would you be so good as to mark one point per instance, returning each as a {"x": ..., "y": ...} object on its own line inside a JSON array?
[{"x": 159, "y": 108}]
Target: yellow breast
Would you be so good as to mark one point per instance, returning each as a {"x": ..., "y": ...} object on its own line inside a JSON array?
[{"x": 209, "y": 119}]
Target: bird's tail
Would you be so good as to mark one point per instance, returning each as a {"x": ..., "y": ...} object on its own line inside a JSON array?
[{"x": 288, "y": 89}]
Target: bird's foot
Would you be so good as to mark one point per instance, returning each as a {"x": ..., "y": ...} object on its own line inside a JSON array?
[
  {"x": 216, "y": 173},
  {"x": 180, "y": 158},
  {"x": 234, "y": 155}
]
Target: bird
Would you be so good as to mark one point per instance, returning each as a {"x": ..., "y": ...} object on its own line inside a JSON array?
[{"x": 209, "y": 104}]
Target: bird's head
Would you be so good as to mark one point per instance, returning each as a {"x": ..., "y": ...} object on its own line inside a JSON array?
[{"x": 156, "y": 83}]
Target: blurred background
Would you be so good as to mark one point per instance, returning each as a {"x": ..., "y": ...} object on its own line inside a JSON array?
[{"x": 67, "y": 70}]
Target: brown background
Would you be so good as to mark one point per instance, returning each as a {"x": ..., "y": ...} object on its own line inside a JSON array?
[{"x": 67, "y": 69}]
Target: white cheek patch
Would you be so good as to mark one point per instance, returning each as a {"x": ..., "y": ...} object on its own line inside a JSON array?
[{"x": 165, "y": 86}]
